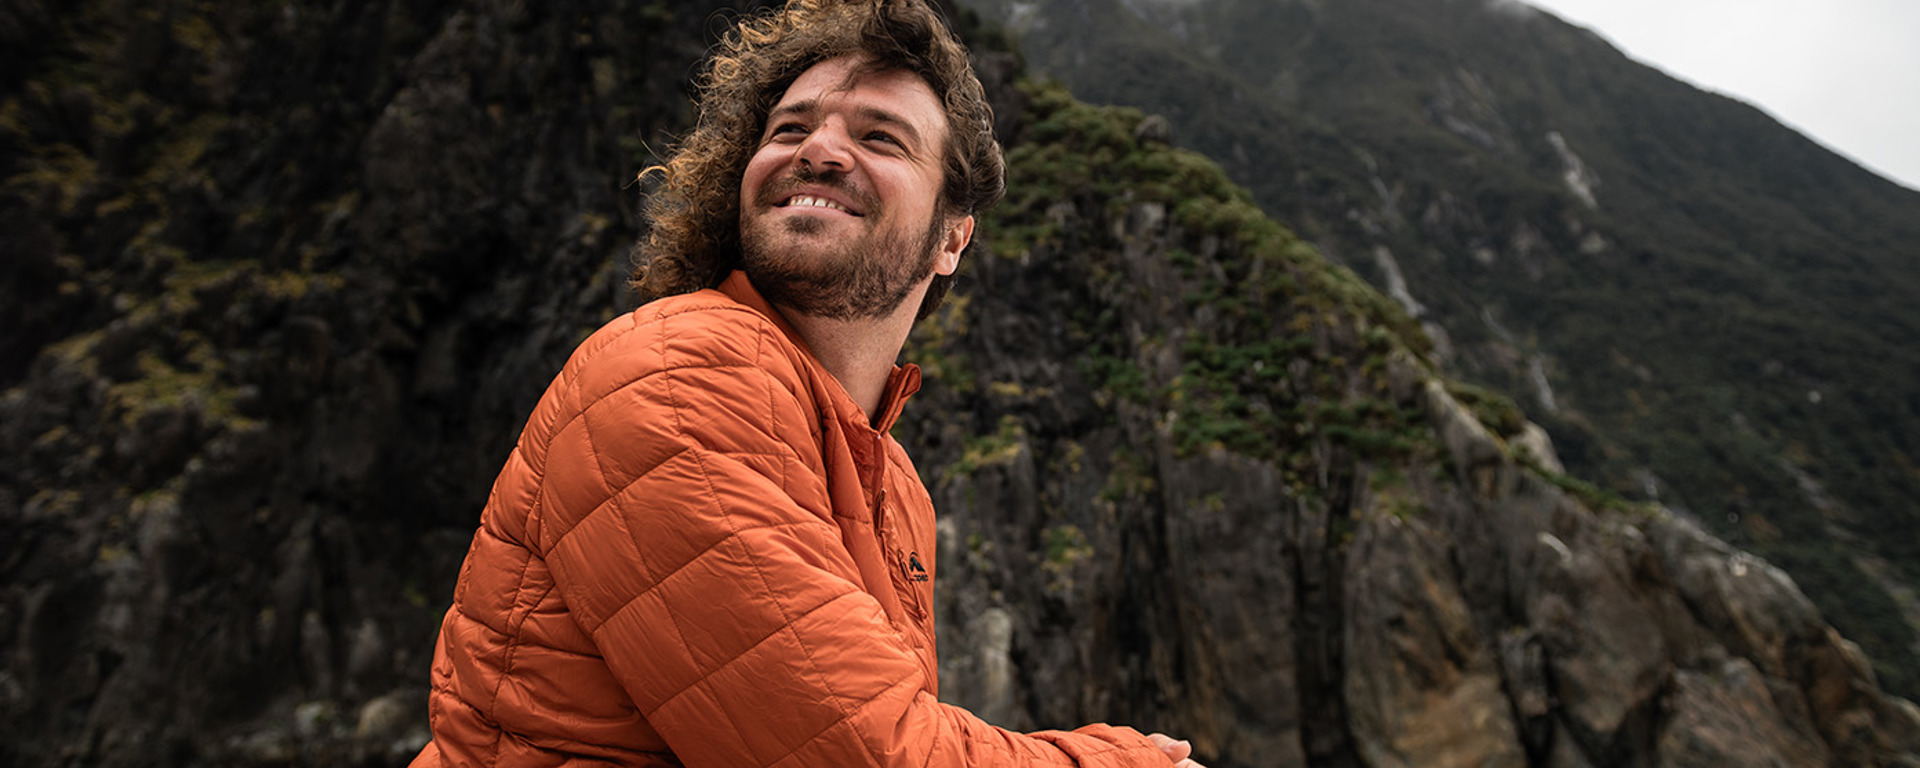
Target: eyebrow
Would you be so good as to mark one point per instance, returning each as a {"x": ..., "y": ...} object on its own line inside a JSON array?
[{"x": 868, "y": 113}]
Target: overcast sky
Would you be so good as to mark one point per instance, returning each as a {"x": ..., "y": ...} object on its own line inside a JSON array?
[{"x": 1845, "y": 72}]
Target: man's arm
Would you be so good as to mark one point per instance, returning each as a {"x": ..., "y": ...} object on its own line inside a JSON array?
[{"x": 694, "y": 542}]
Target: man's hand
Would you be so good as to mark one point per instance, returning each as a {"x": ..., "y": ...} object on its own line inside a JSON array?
[{"x": 1180, "y": 752}]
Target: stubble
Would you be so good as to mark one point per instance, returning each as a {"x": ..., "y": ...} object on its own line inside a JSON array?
[{"x": 859, "y": 279}]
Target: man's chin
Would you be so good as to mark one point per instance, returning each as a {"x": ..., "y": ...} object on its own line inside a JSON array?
[
  {"x": 828, "y": 293},
  {"x": 804, "y": 264}
]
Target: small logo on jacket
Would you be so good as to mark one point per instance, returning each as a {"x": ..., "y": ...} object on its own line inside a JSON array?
[{"x": 912, "y": 567}]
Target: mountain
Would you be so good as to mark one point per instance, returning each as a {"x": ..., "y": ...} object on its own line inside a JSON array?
[
  {"x": 1705, "y": 309},
  {"x": 277, "y": 314}
]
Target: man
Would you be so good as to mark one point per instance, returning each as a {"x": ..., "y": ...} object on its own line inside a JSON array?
[{"x": 705, "y": 549}]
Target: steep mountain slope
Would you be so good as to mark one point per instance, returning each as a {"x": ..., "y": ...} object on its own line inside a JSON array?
[
  {"x": 284, "y": 312},
  {"x": 283, "y": 282},
  {"x": 1213, "y": 486},
  {"x": 1704, "y": 308}
]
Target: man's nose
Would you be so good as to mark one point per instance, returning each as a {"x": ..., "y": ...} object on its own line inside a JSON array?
[{"x": 828, "y": 147}]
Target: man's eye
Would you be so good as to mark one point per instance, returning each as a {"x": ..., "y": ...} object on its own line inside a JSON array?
[
  {"x": 883, "y": 137},
  {"x": 788, "y": 129}
]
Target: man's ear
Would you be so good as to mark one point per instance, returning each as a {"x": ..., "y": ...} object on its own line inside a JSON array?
[{"x": 959, "y": 233}]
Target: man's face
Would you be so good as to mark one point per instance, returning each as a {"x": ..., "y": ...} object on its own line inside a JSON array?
[{"x": 839, "y": 207}]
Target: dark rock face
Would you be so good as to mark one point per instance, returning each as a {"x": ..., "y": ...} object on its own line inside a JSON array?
[
  {"x": 1577, "y": 230},
  {"x": 284, "y": 282},
  {"x": 1325, "y": 599},
  {"x": 284, "y": 310}
]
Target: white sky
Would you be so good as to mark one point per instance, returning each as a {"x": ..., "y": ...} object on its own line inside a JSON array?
[{"x": 1845, "y": 72}]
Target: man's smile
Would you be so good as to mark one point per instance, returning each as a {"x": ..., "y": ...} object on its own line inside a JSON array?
[{"x": 816, "y": 201}]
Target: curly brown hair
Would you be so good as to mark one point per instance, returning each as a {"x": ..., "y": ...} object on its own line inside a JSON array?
[{"x": 694, "y": 241}]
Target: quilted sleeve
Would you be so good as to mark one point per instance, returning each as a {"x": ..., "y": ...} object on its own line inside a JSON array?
[{"x": 693, "y": 543}]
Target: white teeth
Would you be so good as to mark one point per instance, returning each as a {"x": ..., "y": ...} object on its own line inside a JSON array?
[{"x": 816, "y": 202}]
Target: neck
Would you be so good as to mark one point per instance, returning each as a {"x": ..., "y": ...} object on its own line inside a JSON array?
[{"x": 858, "y": 353}]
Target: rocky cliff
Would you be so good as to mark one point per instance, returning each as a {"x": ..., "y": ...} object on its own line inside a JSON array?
[
  {"x": 1704, "y": 308},
  {"x": 283, "y": 281},
  {"x": 1210, "y": 484}
]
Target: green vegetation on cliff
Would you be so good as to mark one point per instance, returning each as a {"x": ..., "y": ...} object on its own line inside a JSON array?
[
  {"x": 1256, "y": 301},
  {"x": 1703, "y": 308}
]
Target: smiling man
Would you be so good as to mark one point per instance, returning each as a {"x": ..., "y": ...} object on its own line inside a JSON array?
[
  {"x": 705, "y": 549},
  {"x": 801, "y": 194}
]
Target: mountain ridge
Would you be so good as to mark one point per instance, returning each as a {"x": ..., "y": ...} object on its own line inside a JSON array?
[{"x": 1612, "y": 247}]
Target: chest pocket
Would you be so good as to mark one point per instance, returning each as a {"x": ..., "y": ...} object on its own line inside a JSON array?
[{"x": 912, "y": 580}]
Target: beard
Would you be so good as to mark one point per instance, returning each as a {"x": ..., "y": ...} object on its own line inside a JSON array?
[{"x": 860, "y": 279}]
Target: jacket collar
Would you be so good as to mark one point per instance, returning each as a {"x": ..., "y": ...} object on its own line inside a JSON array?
[{"x": 902, "y": 382}]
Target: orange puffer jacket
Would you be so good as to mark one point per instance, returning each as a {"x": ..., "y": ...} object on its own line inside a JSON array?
[{"x": 701, "y": 553}]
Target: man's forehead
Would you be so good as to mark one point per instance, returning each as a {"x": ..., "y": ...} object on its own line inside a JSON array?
[{"x": 902, "y": 94}]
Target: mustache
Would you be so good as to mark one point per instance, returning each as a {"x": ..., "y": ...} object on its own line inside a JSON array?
[{"x": 804, "y": 176}]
